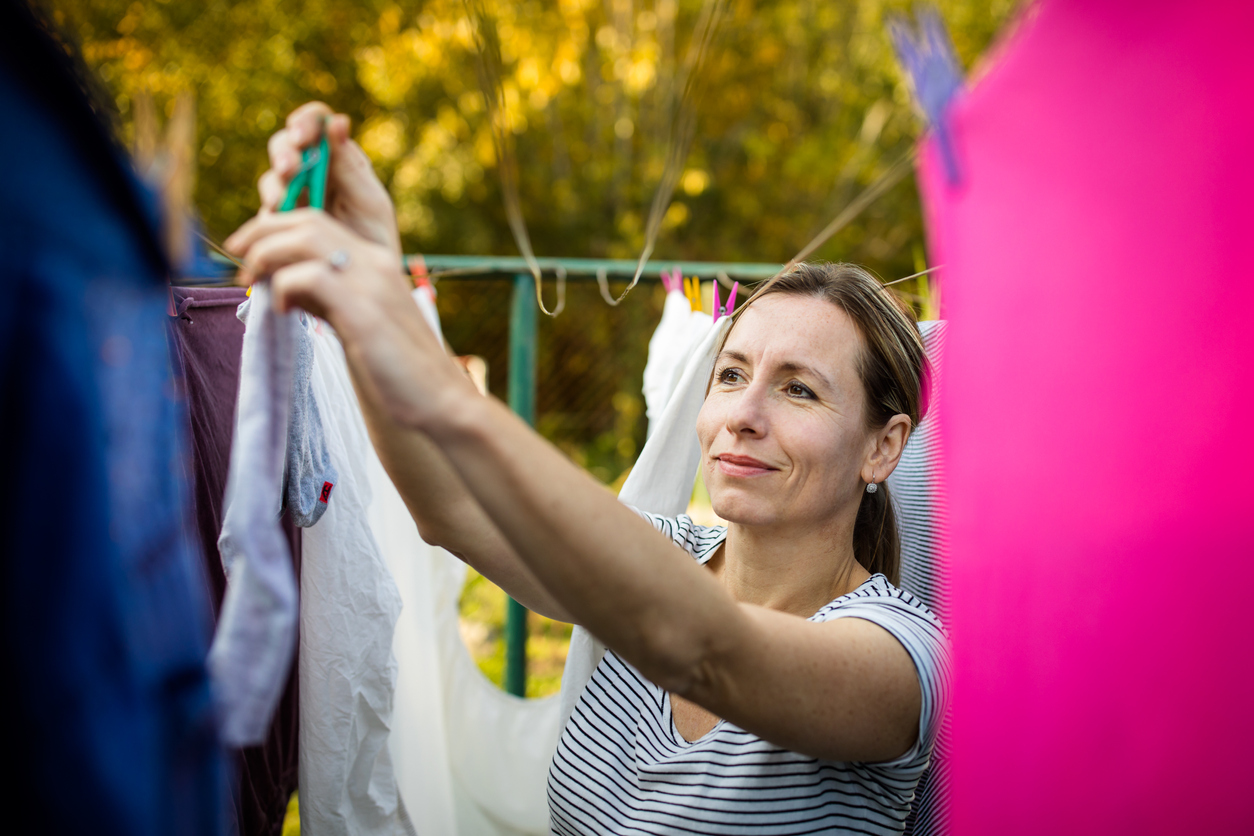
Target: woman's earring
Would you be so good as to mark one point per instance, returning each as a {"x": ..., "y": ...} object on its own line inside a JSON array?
[{"x": 871, "y": 487}]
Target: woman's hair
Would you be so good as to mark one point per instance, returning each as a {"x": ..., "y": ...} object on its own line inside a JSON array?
[{"x": 891, "y": 367}]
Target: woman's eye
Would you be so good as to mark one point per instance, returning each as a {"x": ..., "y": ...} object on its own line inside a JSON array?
[
  {"x": 796, "y": 390},
  {"x": 729, "y": 376}
]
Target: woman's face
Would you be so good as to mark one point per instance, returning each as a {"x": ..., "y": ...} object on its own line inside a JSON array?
[{"x": 783, "y": 438}]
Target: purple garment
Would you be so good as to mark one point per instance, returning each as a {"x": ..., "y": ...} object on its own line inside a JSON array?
[{"x": 208, "y": 338}]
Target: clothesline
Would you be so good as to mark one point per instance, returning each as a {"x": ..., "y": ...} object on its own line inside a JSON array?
[{"x": 497, "y": 268}]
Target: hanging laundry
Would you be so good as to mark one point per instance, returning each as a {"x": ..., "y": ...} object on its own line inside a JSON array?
[
  {"x": 469, "y": 759},
  {"x": 256, "y": 631},
  {"x": 666, "y": 353},
  {"x": 1096, "y": 402},
  {"x": 680, "y": 331},
  {"x": 348, "y": 612},
  {"x": 309, "y": 477},
  {"x": 417, "y": 740},
  {"x": 695, "y": 331},
  {"x": 208, "y": 337},
  {"x": 256, "y": 636}
]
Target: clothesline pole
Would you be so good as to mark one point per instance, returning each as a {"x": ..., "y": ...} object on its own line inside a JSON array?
[{"x": 522, "y": 399}]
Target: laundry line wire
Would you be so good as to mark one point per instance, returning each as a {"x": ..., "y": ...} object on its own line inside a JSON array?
[{"x": 679, "y": 141}]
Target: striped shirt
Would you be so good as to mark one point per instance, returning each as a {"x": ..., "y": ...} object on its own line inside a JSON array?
[
  {"x": 917, "y": 489},
  {"x": 621, "y": 766}
]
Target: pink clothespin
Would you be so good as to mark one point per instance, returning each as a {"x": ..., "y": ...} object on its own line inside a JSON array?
[
  {"x": 725, "y": 310},
  {"x": 671, "y": 280}
]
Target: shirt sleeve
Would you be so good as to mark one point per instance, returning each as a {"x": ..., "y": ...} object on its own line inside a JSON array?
[
  {"x": 923, "y": 637},
  {"x": 700, "y": 541}
]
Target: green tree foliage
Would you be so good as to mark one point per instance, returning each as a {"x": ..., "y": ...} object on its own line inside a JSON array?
[{"x": 803, "y": 107}]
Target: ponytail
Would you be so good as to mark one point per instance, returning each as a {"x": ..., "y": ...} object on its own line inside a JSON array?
[{"x": 876, "y": 542}]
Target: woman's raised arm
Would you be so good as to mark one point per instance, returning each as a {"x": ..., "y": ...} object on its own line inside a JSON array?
[{"x": 445, "y": 512}]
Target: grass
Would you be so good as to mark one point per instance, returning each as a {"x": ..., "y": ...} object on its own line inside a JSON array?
[{"x": 482, "y": 624}]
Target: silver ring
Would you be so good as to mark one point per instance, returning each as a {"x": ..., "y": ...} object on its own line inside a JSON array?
[{"x": 338, "y": 260}]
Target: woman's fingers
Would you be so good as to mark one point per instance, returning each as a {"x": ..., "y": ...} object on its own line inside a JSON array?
[
  {"x": 364, "y": 296},
  {"x": 290, "y": 246},
  {"x": 260, "y": 225},
  {"x": 359, "y": 197},
  {"x": 366, "y": 324},
  {"x": 311, "y": 285},
  {"x": 337, "y": 127},
  {"x": 284, "y": 153},
  {"x": 273, "y": 188},
  {"x": 307, "y": 285},
  {"x": 304, "y": 124}
]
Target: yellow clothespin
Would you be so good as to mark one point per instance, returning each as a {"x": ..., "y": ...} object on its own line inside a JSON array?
[{"x": 692, "y": 289}]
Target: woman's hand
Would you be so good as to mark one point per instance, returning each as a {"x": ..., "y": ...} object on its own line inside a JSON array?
[
  {"x": 317, "y": 263},
  {"x": 355, "y": 195}
]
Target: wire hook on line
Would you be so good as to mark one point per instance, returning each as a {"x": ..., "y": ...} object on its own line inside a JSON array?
[
  {"x": 561, "y": 292},
  {"x": 603, "y": 283}
]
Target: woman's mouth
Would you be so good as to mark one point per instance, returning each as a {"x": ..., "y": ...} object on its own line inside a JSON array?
[{"x": 742, "y": 466}]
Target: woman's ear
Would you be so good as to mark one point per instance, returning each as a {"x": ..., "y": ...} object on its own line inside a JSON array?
[{"x": 890, "y": 442}]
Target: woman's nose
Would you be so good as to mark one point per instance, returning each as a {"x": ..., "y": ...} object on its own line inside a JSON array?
[{"x": 747, "y": 416}]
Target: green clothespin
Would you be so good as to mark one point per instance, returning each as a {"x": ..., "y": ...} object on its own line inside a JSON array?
[{"x": 312, "y": 176}]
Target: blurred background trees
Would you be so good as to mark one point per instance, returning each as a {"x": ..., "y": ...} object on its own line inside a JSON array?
[{"x": 803, "y": 107}]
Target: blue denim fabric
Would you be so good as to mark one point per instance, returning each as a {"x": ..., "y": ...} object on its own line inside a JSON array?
[{"x": 103, "y": 599}]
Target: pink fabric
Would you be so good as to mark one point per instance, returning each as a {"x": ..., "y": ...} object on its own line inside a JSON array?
[{"x": 1097, "y": 420}]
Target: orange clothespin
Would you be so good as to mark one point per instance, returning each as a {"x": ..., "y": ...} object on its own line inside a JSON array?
[{"x": 416, "y": 266}]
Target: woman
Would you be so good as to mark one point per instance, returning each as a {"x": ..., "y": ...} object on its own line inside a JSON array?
[{"x": 778, "y": 682}]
